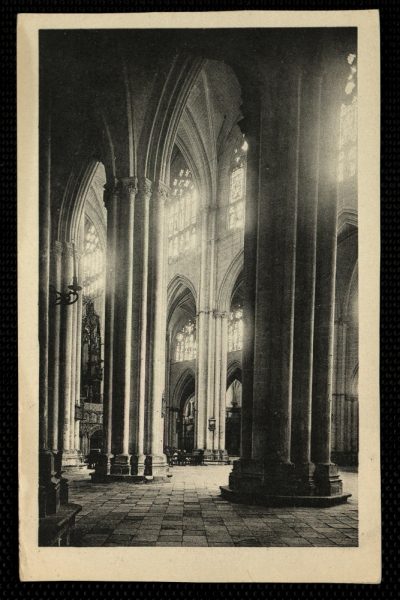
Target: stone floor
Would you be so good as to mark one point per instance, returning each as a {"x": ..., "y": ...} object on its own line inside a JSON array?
[{"x": 187, "y": 510}]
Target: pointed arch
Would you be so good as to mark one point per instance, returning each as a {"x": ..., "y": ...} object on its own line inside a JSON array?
[
  {"x": 227, "y": 286},
  {"x": 172, "y": 99},
  {"x": 351, "y": 289},
  {"x": 176, "y": 287},
  {"x": 184, "y": 384},
  {"x": 234, "y": 371}
]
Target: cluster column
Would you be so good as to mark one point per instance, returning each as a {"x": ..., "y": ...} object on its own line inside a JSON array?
[
  {"x": 289, "y": 457},
  {"x": 157, "y": 327},
  {"x": 103, "y": 466},
  {"x": 221, "y": 360},
  {"x": 122, "y": 349}
]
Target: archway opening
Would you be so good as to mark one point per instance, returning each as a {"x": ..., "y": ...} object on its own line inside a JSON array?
[
  {"x": 186, "y": 439},
  {"x": 181, "y": 353},
  {"x": 92, "y": 252},
  {"x": 233, "y": 409},
  {"x": 96, "y": 440}
]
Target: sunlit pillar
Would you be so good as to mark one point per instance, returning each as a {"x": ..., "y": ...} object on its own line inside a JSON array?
[
  {"x": 127, "y": 189},
  {"x": 222, "y": 320},
  {"x": 157, "y": 301},
  {"x": 111, "y": 204},
  {"x": 202, "y": 333},
  {"x": 326, "y": 476},
  {"x": 141, "y": 288}
]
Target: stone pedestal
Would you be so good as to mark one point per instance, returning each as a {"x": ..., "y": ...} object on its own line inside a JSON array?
[{"x": 58, "y": 529}]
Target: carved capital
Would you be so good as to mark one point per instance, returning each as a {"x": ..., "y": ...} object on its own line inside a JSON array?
[
  {"x": 161, "y": 192},
  {"x": 220, "y": 315},
  {"x": 110, "y": 192},
  {"x": 127, "y": 187},
  {"x": 68, "y": 250},
  {"x": 57, "y": 248},
  {"x": 44, "y": 255},
  {"x": 145, "y": 187}
]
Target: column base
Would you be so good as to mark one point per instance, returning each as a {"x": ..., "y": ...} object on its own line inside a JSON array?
[
  {"x": 156, "y": 467},
  {"x": 102, "y": 468},
  {"x": 216, "y": 456},
  {"x": 327, "y": 480},
  {"x": 72, "y": 459},
  {"x": 121, "y": 465},
  {"x": 284, "y": 484},
  {"x": 133, "y": 468},
  {"x": 49, "y": 484}
]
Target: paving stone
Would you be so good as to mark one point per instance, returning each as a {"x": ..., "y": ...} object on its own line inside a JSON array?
[{"x": 188, "y": 510}]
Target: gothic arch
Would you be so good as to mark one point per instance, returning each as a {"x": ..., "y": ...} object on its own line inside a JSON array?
[
  {"x": 170, "y": 102},
  {"x": 347, "y": 216},
  {"x": 351, "y": 289},
  {"x": 185, "y": 380},
  {"x": 234, "y": 371},
  {"x": 228, "y": 283},
  {"x": 177, "y": 287}
]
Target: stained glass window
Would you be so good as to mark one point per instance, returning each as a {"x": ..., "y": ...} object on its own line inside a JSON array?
[
  {"x": 237, "y": 190},
  {"x": 92, "y": 262},
  {"x": 182, "y": 215},
  {"x": 235, "y": 329},
  {"x": 347, "y": 166},
  {"x": 185, "y": 348}
]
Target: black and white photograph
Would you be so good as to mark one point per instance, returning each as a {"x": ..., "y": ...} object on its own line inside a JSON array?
[{"x": 197, "y": 258}]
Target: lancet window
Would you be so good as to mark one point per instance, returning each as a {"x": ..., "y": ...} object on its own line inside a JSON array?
[
  {"x": 185, "y": 348},
  {"x": 347, "y": 167},
  {"x": 237, "y": 191},
  {"x": 92, "y": 262},
  {"x": 182, "y": 215},
  {"x": 235, "y": 329}
]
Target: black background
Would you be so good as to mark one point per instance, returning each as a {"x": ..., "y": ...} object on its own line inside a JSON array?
[{"x": 390, "y": 334}]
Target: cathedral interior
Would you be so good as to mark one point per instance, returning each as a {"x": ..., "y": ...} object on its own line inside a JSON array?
[{"x": 198, "y": 282}]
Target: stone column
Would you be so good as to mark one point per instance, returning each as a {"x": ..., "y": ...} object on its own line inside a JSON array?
[
  {"x": 326, "y": 475},
  {"x": 68, "y": 456},
  {"x": 127, "y": 189},
  {"x": 78, "y": 351},
  {"x": 54, "y": 350},
  {"x": 220, "y": 378},
  {"x": 141, "y": 279},
  {"x": 264, "y": 468},
  {"x": 74, "y": 343},
  {"x": 212, "y": 398},
  {"x": 339, "y": 390},
  {"x": 308, "y": 180},
  {"x": 111, "y": 204},
  {"x": 157, "y": 328},
  {"x": 252, "y": 132},
  {"x": 202, "y": 339},
  {"x": 49, "y": 488}
]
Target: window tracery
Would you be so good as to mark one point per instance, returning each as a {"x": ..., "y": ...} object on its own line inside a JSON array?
[
  {"x": 347, "y": 166},
  {"x": 235, "y": 329},
  {"x": 92, "y": 262},
  {"x": 237, "y": 190},
  {"x": 182, "y": 215},
  {"x": 185, "y": 348}
]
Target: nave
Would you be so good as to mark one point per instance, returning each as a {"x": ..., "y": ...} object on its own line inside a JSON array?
[{"x": 198, "y": 268}]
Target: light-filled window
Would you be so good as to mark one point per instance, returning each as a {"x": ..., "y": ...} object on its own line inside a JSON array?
[
  {"x": 182, "y": 215},
  {"x": 235, "y": 329},
  {"x": 93, "y": 263},
  {"x": 185, "y": 348},
  {"x": 237, "y": 191},
  {"x": 347, "y": 166}
]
